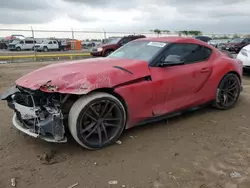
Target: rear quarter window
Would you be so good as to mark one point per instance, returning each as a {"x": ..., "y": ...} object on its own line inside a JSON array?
[{"x": 207, "y": 52}]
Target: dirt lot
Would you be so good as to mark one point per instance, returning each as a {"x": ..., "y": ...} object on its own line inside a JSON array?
[{"x": 197, "y": 150}]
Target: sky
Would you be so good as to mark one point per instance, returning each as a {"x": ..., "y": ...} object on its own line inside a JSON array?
[{"x": 135, "y": 16}]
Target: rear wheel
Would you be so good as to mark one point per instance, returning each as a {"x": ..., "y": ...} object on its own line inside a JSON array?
[
  {"x": 228, "y": 92},
  {"x": 97, "y": 120}
]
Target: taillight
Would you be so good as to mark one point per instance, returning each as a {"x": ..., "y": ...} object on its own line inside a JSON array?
[{"x": 244, "y": 52}]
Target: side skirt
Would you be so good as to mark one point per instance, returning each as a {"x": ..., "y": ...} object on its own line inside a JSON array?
[{"x": 172, "y": 114}]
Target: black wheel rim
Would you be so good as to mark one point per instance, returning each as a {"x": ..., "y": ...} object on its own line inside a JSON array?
[
  {"x": 100, "y": 122},
  {"x": 229, "y": 91}
]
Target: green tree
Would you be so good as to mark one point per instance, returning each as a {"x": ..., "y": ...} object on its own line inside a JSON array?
[
  {"x": 157, "y": 31},
  {"x": 196, "y": 33},
  {"x": 236, "y": 36},
  {"x": 184, "y": 32},
  {"x": 165, "y": 31}
]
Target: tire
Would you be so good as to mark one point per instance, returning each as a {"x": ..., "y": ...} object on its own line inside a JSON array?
[
  {"x": 45, "y": 49},
  {"x": 80, "y": 109},
  {"x": 108, "y": 52},
  {"x": 223, "y": 91},
  {"x": 18, "y": 49}
]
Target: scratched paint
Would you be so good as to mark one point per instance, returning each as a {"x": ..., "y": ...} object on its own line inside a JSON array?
[{"x": 82, "y": 76}]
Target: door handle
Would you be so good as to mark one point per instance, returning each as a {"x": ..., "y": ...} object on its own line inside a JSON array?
[{"x": 204, "y": 70}]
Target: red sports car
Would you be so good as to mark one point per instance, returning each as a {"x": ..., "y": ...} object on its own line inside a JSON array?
[{"x": 145, "y": 80}]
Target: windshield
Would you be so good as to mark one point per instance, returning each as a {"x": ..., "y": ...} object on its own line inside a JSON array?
[
  {"x": 45, "y": 42},
  {"x": 15, "y": 41},
  {"x": 141, "y": 50},
  {"x": 113, "y": 41},
  {"x": 238, "y": 40}
]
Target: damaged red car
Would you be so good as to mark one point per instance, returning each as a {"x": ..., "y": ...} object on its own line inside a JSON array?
[{"x": 145, "y": 80}]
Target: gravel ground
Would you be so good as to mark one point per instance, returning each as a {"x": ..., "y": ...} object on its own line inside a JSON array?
[{"x": 204, "y": 149}]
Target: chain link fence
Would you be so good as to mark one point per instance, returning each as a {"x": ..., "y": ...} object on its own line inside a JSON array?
[{"x": 87, "y": 38}]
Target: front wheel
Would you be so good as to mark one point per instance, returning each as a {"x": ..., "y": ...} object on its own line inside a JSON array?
[
  {"x": 228, "y": 92},
  {"x": 97, "y": 120},
  {"x": 45, "y": 49}
]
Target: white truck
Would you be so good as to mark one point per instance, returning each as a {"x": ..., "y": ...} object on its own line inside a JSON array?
[
  {"x": 50, "y": 45},
  {"x": 25, "y": 44}
]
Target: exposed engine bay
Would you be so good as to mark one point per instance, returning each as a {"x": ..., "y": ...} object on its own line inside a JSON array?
[{"x": 37, "y": 113}]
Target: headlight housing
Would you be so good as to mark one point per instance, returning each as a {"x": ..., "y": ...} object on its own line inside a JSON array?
[
  {"x": 244, "y": 52},
  {"x": 99, "y": 49}
]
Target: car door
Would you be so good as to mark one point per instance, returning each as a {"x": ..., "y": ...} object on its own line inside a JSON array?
[
  {"x": 55, "y": 45},
  {"x": 22, "y": 44},
  {"x": 29, "y": 44},
  {"x": 176, "y": 86},
  {"x": 50, "y": 45}
]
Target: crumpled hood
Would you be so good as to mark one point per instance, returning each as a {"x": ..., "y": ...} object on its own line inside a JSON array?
[{"x": 83, "y": 76}]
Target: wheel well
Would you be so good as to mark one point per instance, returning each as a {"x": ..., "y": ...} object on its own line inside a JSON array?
[
  {"x": 231, "y": 72},
  {"x": 73, "y": 98},
  {"x": 236, "y": 73},
  {"x": 112, "y": 92}
]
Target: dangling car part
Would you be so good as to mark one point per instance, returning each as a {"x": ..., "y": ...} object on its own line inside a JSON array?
[
  {"x": 146, "y": 80},
  {"x": 37, "y": 114}
]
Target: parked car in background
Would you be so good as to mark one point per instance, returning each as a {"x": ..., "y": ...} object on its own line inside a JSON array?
[
  {"x": 88, "y": 45},
  {"x": 50, "y": 45},
  {"x": 236, "y": 44},
  {"x": 18, "y": 45},
  {"x": 244, "y": 56},
  {"x": 14, "y": 37},
  {"x": 3, "y": 45},
  {"x": 203, "y": 38},
  {"x": 218, "y": 43},
  {"x": 113, "y": 44}
]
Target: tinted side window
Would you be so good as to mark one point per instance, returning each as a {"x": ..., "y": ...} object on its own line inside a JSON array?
[
  {"x": 189, "y": 53},
  {"x": 54, "y": 42},
  {"x": 125, "y": 40},
  {"x": 21, "y": 42},
  {"x": 29, "y": 42},
  {"x": 247, "y": 41},
  {"x": 50, "y": 42}
]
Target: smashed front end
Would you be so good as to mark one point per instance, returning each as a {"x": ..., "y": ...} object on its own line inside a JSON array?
[{"x": 37, "y": 113}]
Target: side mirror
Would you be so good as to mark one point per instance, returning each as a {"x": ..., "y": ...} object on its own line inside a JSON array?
[
  {"x": 170, "y": 63},
  {"x": 171, "y": 60}
]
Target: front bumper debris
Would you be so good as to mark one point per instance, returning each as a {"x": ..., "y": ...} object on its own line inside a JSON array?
[
  {"x": 18, "y": 125},
  {"x": 38, "y": 116}
]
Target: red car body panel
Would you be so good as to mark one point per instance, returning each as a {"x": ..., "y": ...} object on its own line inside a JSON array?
[
  {"x": 168, "y": 89},
  {"x": 83, "y": 76}
]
